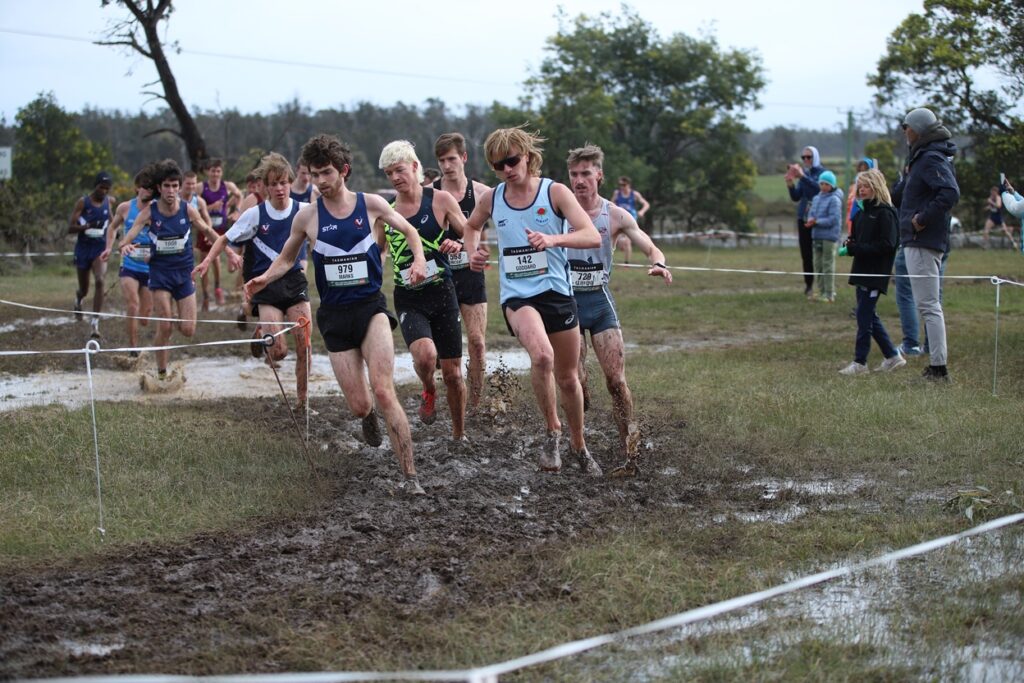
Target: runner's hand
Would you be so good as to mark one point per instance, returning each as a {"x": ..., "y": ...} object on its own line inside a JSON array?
[
  {"x": 658, "y": 271},
  {"x": 234, "y": 260},
  {"x": 450, "y": 247},
  {"x": 478, "y": 261},
  {"x": 418, "y": 271},
  {"x": 200, "y": 269},
  {"x": 539, "y": 240},
  {"x": 255, "y": 285},
  {"x": 104, "y": 255}
]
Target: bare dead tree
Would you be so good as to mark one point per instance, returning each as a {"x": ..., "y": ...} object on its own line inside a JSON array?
[{"x": 146, "y": 16}]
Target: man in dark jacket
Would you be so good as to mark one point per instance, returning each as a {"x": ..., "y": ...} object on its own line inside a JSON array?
[{"x": 926, "y": 194}]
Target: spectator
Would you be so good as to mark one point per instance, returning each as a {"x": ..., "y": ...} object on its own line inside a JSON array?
[
  {"x": 926, "y": 194},
  {"x": 802, "y": 182},
  {"x": 825, "y": 218},
  {"x": 852, "y": 205},
  {"x": 873, "y": 247}
]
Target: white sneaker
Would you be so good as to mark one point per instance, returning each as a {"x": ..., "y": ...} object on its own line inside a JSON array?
[
  {"x": 890, "y": 364},
  {"x": 854, "y": 368}
]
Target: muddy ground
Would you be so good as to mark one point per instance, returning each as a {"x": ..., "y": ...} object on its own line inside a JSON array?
[{"x": 152, "y": 608}]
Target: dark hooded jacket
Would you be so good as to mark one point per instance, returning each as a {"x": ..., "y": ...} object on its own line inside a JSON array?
[
  {"x": 928, "y": 190},
  {"x": 873, "y": 245}
]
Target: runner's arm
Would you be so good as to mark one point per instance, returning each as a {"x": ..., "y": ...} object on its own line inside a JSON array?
[
  {"x": 74, "y": 227},
  {"x": 115, "y": 223},
  {"x": 474, "y": 231},
  {"x": 286, "y": 259},
  {"x": 141, "y": 221},
  {"x": 206, "y": 228},
  {"x": 624, "y": 224},
  {"x": 378, "y": 209},
  {"x": 642, "y": 203}
]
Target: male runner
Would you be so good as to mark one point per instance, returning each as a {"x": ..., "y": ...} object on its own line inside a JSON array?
[
  {"x": 301, "y": 189},
  {"x": 343, "y": 229},
  {"x": 169, "y": 221},
  {"x": 220, "y": 195},
  {"x": 89, "y": 220},
  {"x": 530, "y": 214},
  {"x": 470, "y": 289},
  {"x": 591, "y": 270},
  {"x": 428, "y": 312},
  {"x": 190, "y": 195},
  {"x": 134, "y": 272},
  {"x": 625, "y": 197},
  {"x": 268, "y": 226}
]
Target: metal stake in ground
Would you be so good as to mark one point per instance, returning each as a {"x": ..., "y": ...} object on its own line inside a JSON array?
[
  {"x": 268, "y": 341},
  {"x": 91, "y": 347}
]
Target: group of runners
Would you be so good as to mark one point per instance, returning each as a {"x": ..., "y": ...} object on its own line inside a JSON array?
[{"x": 554, "y": 260}]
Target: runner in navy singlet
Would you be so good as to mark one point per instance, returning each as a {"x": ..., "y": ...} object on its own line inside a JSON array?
[
  {"x": 170, "y": 222},
  {"x": 89, "y": 221},
  {"x": 625, "y": 197},
  {"x": 344, "y": 230}
]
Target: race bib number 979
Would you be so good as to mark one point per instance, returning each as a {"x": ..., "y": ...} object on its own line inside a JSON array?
[{"x": 346, "y": 271}]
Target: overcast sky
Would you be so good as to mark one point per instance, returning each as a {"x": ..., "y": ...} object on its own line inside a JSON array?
[{"x": 816, "y": 56}]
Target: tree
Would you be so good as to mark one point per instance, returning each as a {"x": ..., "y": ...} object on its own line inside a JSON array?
[
  {"x": 146, "y": 18},
  {"x": 667, "y": 112},
  {"x": 53, "y": 164},
  {"x": 965, "y": 60}
]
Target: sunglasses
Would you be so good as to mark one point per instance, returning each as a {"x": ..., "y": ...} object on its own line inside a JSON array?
[
  {"x": 507, "y": 162},
  {"x": 806, "y": 156}
]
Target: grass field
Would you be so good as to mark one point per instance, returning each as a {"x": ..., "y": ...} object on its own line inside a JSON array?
[{"x": 786, "y": 468}]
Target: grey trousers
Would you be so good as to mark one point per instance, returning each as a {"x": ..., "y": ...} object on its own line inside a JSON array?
[{"x": 927, "y": 262}]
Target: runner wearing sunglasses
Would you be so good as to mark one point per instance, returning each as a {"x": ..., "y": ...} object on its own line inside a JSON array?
[{"x": 532, "y": 216}]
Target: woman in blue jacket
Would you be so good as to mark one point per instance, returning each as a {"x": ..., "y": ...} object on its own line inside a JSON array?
[
  {"x": 825, "y": 220},
  {"x": 802, "y": 181}
]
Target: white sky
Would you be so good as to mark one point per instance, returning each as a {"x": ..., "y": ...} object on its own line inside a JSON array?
[{"x": 816, "y": 56}]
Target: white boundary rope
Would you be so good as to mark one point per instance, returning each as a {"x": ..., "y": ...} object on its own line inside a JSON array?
[
  {"x": 289, "y": 326},
  {"x": 490, "y": 674},
  {"x": 110, "y": 315}
]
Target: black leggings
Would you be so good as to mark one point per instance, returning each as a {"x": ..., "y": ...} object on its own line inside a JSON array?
[{"x": 806, "y": 251}]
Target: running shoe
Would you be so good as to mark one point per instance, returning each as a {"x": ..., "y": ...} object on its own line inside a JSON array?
[
  {"x": 371, "y": 430},
  {"x": 550, "y": 460},
  {"x": 890, "y": 364},
  {"x": 585, "y": 460},
  {"x": 256, "y": 348},
  {"x": 854, "y": 368},
  {"x": 411, "y": 487},
  {"x": 78, "y": 306},
  {"x": 241, "y": 321},
  {"x": 219, "y": 294},
  {"x": 427, "y": 413}
]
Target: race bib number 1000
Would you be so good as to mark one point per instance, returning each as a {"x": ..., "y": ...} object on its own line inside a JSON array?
[
  {"x": 169, "y": 246},
  {"x": 518, "y": 262},
  {"x": 346, "y": 271}
]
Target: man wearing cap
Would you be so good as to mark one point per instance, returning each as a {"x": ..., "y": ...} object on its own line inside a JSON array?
[
  {"x": 89, "y": 220},
  {"x": 925, "y": 195}
]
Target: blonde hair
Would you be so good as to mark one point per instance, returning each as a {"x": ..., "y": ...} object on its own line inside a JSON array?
[
  {"x": 500, "y": 143},
  {"x": 399, "y": 151},
  {"x": 875, "y": 179},
  {"x": 275, "y": 165}
]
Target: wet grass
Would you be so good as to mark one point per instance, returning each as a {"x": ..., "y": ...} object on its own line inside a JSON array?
[{"x": 735, "y": 380}]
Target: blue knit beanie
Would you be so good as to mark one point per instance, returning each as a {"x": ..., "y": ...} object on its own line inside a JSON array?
[{"x": 827, "y": 177}]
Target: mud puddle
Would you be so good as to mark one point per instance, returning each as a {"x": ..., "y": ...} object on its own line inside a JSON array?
[{"x": 207, "y": 378}]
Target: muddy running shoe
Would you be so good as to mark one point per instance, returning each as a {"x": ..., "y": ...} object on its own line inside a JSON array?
[
  {"x": 411, "y": 487},
  {"x": 241, "y": 321},
  {"x": 371, "y": 430},
  {"x": 133, "y": 354},
  {"x": 95, "y": 335},
  {"x": 585, "y": 460},
  {"x": 550, "y": 460},
  {"x": 78, "y": 306},
  {"x": 256, "y": 348},
  {"x": 162, "y": 374},
  {"x": 630, "y": 468},
  {"x": 427, "y": 413}
]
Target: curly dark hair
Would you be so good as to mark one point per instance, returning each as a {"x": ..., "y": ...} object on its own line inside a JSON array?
[{"x": 327, "y": 150}]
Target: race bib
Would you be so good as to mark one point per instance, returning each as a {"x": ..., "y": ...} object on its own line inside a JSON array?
[
  {"x": 586, "y": 277},
  {"x": 518, "y": 262},
  {"x": 168, "y": 246},
  {"x": 458, "y": 261},
  {"x": 217, "y": 221},
  {"x": 140, "y": 253},
  {"x": 433, "y": 275},
  {"x": 94, "y": 233},
  {"x": 346, "y": 271}
]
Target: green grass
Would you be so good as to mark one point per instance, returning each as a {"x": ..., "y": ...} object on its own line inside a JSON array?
[{"x": 745, "y": 368}]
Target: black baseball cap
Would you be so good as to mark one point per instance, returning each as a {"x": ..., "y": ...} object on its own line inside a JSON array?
[{"x": 103, "y": 178}]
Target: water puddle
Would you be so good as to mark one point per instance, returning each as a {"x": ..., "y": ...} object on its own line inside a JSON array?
[
  {"x": 25, "y": 323},
  {"x": 80, "y": 649},
  {"x": 207, "y": 378}
]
